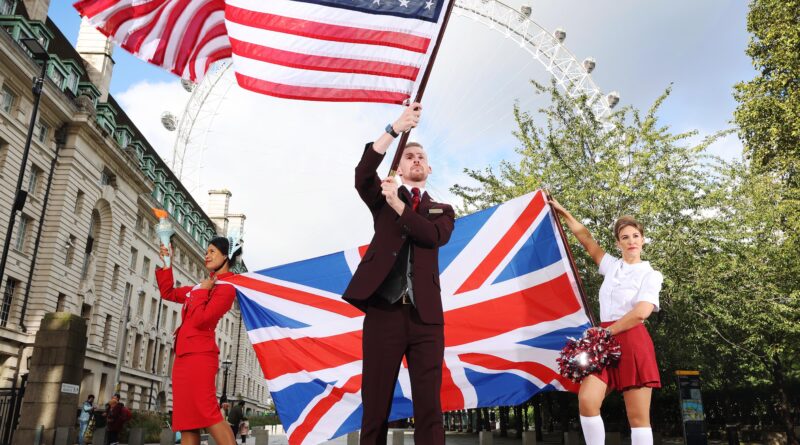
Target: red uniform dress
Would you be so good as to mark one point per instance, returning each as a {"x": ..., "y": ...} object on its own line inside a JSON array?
[{"x": 194, "y": 399}]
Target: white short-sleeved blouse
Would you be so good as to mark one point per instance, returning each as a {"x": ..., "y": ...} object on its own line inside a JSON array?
[{"x": 625, "y": 285}]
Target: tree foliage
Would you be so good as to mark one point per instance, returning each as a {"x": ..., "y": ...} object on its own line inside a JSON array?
[
  {"x": 768, "y": 115},
  {"x": 722, "y": 234},
  {"x": 637, "y": 167}
]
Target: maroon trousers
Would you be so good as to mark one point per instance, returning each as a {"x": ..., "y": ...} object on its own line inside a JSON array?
[{"x": 390, "y": 332}]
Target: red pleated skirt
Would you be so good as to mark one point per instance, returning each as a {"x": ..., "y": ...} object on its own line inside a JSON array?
[
  {"x": 194, "y": 393},
  {"x": 637, "y": 366}
]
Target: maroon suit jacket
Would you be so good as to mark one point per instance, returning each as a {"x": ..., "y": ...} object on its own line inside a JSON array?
[{"x": 427, "y": 229}]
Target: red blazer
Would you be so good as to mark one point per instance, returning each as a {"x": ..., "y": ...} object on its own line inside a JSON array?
[
  {"x": 428, "y": 228},
  {"x": 201, "y": 311}
]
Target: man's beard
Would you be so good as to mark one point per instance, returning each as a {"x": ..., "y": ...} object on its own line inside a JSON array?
[{"x": 416, "y": 175}]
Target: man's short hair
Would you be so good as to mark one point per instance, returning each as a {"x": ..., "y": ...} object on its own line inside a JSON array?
[
  {"x": 413, "y": 144},
  {"x": 116, "y": 394}
]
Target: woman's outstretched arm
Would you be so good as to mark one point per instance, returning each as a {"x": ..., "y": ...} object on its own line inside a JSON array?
[{"x": 580, "y": 231}]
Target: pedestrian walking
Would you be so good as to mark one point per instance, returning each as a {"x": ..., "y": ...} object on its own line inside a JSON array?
[
  {"x": 118, "y": 415},
  {"x": 235, "y": 417},
  {"x": 86, "y": 411}
]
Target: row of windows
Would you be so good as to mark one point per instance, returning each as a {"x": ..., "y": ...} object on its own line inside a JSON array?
[
  {"x": 139, "y": 357},
  {"x": 25, "y": 222},
  {"x": 6, "y": 7},
  {"x": 149, "y": 347},
  {"x": 9, "y": 101},
  {"x": 197, "y": 230},
  {"x": 144, "y": 226},
  {"x": 66, "y": 77},
  {"x": 8, "y": 297},
  {"x": 65, "y": 74}
]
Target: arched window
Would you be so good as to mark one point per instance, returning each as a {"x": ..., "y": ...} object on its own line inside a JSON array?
[{"x": 94, "y": 233}]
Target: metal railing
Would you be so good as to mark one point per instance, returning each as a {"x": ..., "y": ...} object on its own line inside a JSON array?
[{"x": 10, "y": 404}]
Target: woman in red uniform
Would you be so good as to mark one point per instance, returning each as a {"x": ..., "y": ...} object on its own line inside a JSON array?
[
  {"x": 196, "y": 364},
  {"x": 628, "y": 296}
]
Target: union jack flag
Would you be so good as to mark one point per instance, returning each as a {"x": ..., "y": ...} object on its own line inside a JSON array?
[
  {"x": 510, "y": 299},
  {"x": 326, "y": 50}
]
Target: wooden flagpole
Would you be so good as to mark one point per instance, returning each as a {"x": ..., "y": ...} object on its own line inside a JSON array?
[
  {"x": 581, "y": 290},
  {"x": 422, "y": 84}
]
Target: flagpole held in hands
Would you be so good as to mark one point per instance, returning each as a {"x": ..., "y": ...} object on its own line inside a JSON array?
[
  {"x": 563, "y": 236},
  {"x": 422, "y": 84}
]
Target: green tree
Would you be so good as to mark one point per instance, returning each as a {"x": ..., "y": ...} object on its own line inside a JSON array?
[
  {"x": 637, "y": 167},
  {"x": 768, "y": 115},
  {"x": 748, "y": 296},
  {"x": 716, "y": 231}
]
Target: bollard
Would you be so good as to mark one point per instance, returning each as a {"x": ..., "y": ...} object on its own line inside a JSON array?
[
  {"x": 485, "y": 438},
  {"x": 62, "y": 436},
  {"x": 136, "y": 436},
  {"x": 352, "y": 438},
  {"x": 167, "y": 437},
  {"x": 775, "y": 438},
  {"x": 37, "y": 436},
  {"x": 571, "y": 438},
  {"x": 99, "y": 436},
  {"x": 529, "y": 438},
  {"x": 398, "y": 437},
  {"x": 732, "y": 433},
  {"x": 262, "y": 437}
]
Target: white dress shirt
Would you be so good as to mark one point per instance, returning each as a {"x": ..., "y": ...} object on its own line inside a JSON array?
[
  {"x": 625, "y": 285},
  {"x": 421, "y": 190}
]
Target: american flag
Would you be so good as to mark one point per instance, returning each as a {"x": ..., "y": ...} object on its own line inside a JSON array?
[
  {"x": 327, "y": 50},
  {"x": 510, "y": 301},
  {"x": 184, "y": 37}
]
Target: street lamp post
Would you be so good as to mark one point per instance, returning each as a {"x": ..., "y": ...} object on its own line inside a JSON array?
[
  {"x": 226, "y": 365},
  {"x": 39, "y": 53}
]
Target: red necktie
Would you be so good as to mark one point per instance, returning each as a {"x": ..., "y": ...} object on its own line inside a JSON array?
[{"x": 414, "y": 198}]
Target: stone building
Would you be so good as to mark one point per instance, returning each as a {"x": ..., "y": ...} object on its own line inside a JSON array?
[{"x": 98, "y": 248}]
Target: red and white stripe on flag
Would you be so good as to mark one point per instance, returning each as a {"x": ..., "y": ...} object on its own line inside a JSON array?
[
  {"x": 326, "y": 50},
  {"x": 184, "y": 37}
]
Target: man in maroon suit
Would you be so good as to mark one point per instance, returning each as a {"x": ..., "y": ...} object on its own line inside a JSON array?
[{"x": 397, "y": 286}]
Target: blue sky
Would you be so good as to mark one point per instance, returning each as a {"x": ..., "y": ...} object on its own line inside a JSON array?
[{"x": 306, "y": 150}]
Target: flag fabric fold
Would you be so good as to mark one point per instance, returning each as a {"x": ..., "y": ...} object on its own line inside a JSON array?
[
  {"x": 323, "y": 50},
  {"x": 510, "y": 299},
  {"x": 185, "y": 37}
]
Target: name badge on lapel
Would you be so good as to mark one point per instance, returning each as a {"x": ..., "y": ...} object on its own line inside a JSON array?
[{"x": 435, "y": 211}]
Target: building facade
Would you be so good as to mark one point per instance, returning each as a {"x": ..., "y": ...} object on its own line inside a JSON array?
[{"x": 92, "y": 179}]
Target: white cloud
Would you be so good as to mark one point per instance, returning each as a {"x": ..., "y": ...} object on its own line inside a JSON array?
[{"x": 145, "y": 101}]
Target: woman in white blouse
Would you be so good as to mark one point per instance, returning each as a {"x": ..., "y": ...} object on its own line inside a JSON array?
[{"x": 628, "y": 296}]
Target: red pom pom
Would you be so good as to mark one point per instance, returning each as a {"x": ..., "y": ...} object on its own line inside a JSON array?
[{"x": 588, "y": 354}]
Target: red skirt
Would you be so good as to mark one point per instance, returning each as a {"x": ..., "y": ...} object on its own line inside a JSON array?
[
  {"x": 194, "y": 393},
  {"x": 637, "y": 366}
]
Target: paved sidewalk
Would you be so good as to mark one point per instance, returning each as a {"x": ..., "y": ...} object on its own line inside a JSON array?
[{"x": 453, "y": 438}]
